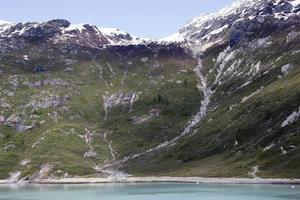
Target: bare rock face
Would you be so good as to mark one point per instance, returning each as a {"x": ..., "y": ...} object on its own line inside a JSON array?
[
  {"x": 37, "y": 31},
  {"x": 47, "y": 100},
  {"x": 90, "y": 154},
  {"x": 59, "y": 23},
  {"x": 19, "y": 123},
  {"x": 2, "y": 119},
  {"x": 13, "y": 119},
  {"x": 119, "y": 99},
  {"x": 55, "y": 82},
  {"x": 137, "y": 120},
  {"x": 14, "y": 176},
  {"x": 47, "y": 82},
  {"x": 23, "y": 128},
  {"x": 43, "y": 173},
  {"x": 4, "y": 104}
]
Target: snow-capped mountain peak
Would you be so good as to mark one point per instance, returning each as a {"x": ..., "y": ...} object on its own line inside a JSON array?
[
  {"x": 4, "y": 25},
  {"x": 206, "y": 28},
  {"x": 61, "y": 30}
]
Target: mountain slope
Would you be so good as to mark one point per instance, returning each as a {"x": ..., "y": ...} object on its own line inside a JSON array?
[
  {"x": 61, "y": 31},
  {"x": 250, "y": 61},
  {"x": 218, "y": 98}
]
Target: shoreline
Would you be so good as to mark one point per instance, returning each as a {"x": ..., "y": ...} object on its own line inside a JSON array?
[{"x": 196, "y": 180}]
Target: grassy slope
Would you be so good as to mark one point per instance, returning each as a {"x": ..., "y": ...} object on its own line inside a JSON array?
[
  {"x": 61, "y": 144},
  {"x": 255, "y": 124},
  {"x": 210, "y": 151}
]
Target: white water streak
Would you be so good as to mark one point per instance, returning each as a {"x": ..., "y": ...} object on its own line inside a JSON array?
[
  {"x": 133, "y": 98},
  {"x": 112, "y": 151},
  {"x": 101, "y": 75},
  {"x": 207, "y": 93},
  {"x": 125, "y": 76}
]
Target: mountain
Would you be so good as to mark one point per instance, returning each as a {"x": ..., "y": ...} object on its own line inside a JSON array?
[
  {"x": 219, "y": 98},
  {"x": 61, "y": 31}
]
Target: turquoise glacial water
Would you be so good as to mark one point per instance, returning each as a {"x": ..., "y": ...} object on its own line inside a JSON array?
[{"x": 149, "y": 191}]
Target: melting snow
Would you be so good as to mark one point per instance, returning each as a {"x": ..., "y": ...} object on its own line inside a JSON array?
[
  {"x": 267, "y": 148},
  {"x": 236, "y": 142},
  {"x": 251, "y": 95},
  {"x": 25, "y": 162},
  {"x": 25, "y": 57},
  {"x": 219, "y": 30},
  {"x": 257, "y": 66},
  {"x": 111, "y": 31},
  {"x": 283, "y": 151},
  {"x": 245, "y": 84},
  {"x": 291, "y": 118}
]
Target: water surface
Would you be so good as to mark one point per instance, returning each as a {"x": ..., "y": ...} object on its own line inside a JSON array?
[{"x": 149, "y": 191}]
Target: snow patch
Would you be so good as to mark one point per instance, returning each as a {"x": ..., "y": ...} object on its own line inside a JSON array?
[
  {"x": 291, "y": 118},
  {"x": 283, "y": 151},
  {"x": 245, "y": 84},
  {"x": 72, "y": 27},
  {"x": 219, "y": 30},
  {"x": 257, "y": 66},
  {"x": 112, "y": 35},
  {"x": 177, "y": 37},
  {"x": 25, "y": 162},
  {"x": 215, "y": 32},
  {"x": 295, "y": 3},
  {"x": 25, "y": 57},
  {"x": 267, "y": 148},
  {"x": 251, "y": 95}
]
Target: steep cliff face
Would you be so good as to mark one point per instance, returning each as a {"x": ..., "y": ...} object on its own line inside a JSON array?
[{"x": 218, "y": 98}]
